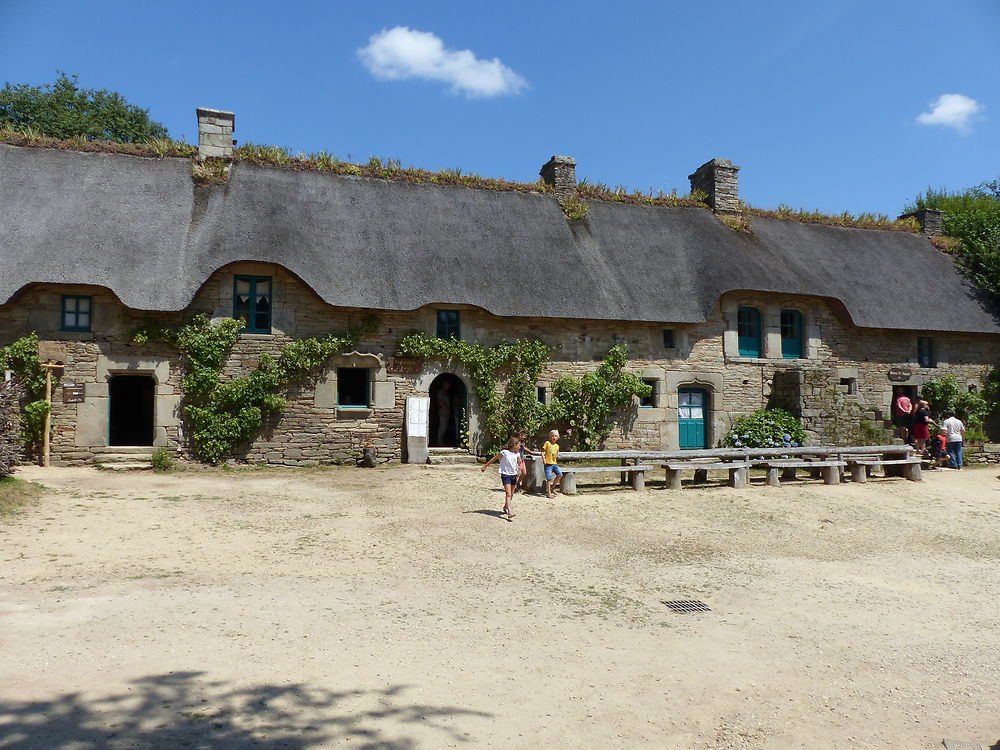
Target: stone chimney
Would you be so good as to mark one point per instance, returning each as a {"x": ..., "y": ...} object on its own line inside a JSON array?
[
  {"x": 718, "y": 180},
  {"x": 931, "y": 220},
  {"x": 215, "y": 133},
  {"x": 560, "y": 173}
]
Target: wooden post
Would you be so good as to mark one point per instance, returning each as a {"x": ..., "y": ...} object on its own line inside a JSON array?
[{"x": 48, "y": 413}]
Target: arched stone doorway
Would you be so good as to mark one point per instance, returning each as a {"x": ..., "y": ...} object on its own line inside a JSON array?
[{"x": 448, "y": 410}]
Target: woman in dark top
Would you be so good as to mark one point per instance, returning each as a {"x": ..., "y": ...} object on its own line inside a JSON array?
[{"x": 921, "y": 421}]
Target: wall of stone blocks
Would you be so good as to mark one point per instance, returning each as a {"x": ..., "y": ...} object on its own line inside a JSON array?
[{"x": 314, "y": 430}]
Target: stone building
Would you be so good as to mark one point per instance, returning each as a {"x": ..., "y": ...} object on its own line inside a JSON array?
[{"x": 720, "y": 322}]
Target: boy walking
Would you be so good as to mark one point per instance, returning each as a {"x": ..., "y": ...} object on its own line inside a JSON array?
[
  {"x": 550, "y": 454},
  {"x": 954, "y": 430}
]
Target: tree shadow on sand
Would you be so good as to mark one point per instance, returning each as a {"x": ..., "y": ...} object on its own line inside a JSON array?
[{"x": 184, "y": 710}]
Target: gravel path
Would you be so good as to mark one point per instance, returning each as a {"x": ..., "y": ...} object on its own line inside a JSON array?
[{"x": 394, "y": 608}]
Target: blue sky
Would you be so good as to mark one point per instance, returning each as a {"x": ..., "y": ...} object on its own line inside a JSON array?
[{"x": 817, "y": 102}]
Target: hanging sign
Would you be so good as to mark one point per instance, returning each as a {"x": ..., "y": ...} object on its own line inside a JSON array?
[
  {"x": 899, "y": 374},
  {"x": 403, "y": 365}
]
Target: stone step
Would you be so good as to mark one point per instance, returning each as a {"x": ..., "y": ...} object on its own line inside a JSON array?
[
  {"x": 122, "y": 458},
  {"x": 452, "y": 460},
  {"x": 126, "y": 466},
  {"x": 448, "y": 451},
  {"x": 119, "y": 449}
]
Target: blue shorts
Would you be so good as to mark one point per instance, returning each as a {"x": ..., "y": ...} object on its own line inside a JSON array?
[
  {"x": 552, "y": 471},
  {"x": 508, "y": 478}
]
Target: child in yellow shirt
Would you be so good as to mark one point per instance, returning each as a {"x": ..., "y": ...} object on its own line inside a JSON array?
[{"x": 550, "y": 453}]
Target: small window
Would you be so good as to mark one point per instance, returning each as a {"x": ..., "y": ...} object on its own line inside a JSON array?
[
  {"x": 448, "y": 324},
  {"x": 352, "y": 387},
  {"x": 252, "y": 303},
  {"x": 852, "y": 385},
  {"x": 925, "y": 351},
  {"x": 540, "y": 394},
  {"x": 748, "y": 330},
  {"x": 76, "y": 312},
  {"x": 668, "y": 338},
  {"x": 650, "y": 400},
  {"x": 791, "y": 334}
]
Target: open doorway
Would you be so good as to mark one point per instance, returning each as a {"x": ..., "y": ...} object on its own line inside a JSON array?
[
  {"x": 448, "y": 410},
  {"x": 131, "y": 417}
]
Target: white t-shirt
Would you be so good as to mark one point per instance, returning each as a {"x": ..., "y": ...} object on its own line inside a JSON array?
[
  {"x": 954, "y": 428},
  {"x": 509, "y": 461}
]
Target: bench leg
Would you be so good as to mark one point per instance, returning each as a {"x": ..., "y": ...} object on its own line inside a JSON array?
[
  {"x": 538, "y": 473},
  {"x": 738, "y": 478},
  {"x": 700, "y": 476},
  {"x": 568, "y": 483},
  {"x": 831, "y": 475},
  {"x": 914, "y": 472},
  {"x": 673, "y": 479},
  {"x": 858, "y": 473},
  {"x": 638, "y": 481},
  {"x": 772, "y": 478},
  {"x": 788, "y": 472}
]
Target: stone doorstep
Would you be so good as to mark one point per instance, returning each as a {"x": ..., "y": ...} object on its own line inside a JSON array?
[{"x": 126, "y": 466}]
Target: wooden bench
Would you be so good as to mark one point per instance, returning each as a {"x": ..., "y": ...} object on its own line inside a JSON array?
[
  {"x": 638, "y": 475},
  {"x": 912, "y": 468},
  {"x": 830, "y": 469},
  {"x": 739, "y": 471}
]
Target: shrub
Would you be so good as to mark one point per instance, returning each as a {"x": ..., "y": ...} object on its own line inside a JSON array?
[
  {"x": 162, "y": 460},
  {"x": 10, "y": 427},
  {"x": 944, "y": 393},
  {"x": 766, "y": 428}
]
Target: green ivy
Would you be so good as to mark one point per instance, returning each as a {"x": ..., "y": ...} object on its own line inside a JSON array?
[
  {"x": 518, "y": 363},
  {"x": 224, "y": 415},
  {"x": 21, "y": 358},
  {"x": 586, "y": 403},
  {"x": 766, "y": 428}
]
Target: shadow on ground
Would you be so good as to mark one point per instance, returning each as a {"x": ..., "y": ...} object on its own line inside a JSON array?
[{"x": 185, "y": 710}]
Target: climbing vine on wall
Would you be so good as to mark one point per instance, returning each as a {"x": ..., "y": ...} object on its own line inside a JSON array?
[
  {"x": 222, "y": 415},
  {"x": 21, "y": 358},
  {"x": 585, "y": 404}
]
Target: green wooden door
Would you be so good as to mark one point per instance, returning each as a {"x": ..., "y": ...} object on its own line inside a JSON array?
[{"x": 692, "y": 413}]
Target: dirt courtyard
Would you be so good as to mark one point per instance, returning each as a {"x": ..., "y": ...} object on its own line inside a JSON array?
[{"x": 393, "y": 608}]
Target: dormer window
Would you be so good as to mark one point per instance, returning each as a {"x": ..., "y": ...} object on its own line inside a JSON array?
[{"x": 252, "y": 303}]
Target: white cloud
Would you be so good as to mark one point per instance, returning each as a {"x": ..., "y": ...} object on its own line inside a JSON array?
[
  {"x": 400, "y": 53},
  {"x": 953, "y": 111}
]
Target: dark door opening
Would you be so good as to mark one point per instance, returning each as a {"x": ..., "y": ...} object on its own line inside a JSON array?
[
  {"x": 131, "y": 418},
  {"x": 448, "y": 405}
]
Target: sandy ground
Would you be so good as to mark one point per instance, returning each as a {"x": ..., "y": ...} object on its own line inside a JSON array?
[{"x": 394, "y": 608}]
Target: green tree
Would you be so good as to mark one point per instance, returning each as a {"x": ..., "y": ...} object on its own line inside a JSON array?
[
  {"x": 63, "y": 110},
  {"x": 972, "y": 217}
]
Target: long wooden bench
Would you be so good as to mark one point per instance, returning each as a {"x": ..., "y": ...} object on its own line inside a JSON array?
[
  {"x": 739, "y": 471},
  {"x": 638, "y": 475},
  {"x": 830, "y": 469}
]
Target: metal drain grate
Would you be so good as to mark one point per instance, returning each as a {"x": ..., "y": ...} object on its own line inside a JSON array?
[{"x": 687, "y": 605}]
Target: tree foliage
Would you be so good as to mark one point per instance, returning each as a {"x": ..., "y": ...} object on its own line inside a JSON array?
[
  {"x": 63, "y": 110},
  {"x": 21, "y": 358},
  {"x": 944, "y": 394},
  {"x": 972, "y": 217}
]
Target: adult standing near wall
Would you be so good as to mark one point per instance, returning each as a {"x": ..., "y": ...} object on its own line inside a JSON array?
[
  {"x": 921, "y": 425},
  {"x": 902, "y": 416},
  {"x": 954, "y": 430}
]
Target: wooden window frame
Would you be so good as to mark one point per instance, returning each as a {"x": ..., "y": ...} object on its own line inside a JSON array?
[
  {"x": 89, "y": 313},
  {"x": 757, "y": 351},
  {"x": 252, "y": 312},
  {"x": 787, "y": 352},
  {"x": 445, "y": 329}
]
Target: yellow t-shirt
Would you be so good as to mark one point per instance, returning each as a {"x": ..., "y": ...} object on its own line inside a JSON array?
[{"x": 551, "y": 451}]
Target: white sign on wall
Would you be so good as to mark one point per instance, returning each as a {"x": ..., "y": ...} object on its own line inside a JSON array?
[{"x": 417, "y": 415}]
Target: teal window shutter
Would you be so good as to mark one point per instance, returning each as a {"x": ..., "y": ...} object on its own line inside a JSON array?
[
  {"x": 791, "y": 334},
  {"x": 748, "y": 329}
]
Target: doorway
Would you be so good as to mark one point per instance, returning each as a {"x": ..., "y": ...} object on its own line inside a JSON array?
[
  {"x": 692, "y": 411},
  {"x": 448, "y": 411},
  {"x": 131, "y": 409}
]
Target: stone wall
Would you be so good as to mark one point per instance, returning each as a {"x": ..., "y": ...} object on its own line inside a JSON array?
[{"x": 841, "y": 363}]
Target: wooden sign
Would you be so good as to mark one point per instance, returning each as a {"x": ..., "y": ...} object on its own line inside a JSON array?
[
  {"x": 404, "y": 365},
  {"x": 899, "y": 374},
  {"x": 72, "y": 393},
  {"x": 52, "y": 350}
]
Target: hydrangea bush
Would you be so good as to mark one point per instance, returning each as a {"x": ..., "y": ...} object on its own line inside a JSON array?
[{"x": 766, "y": 428}]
